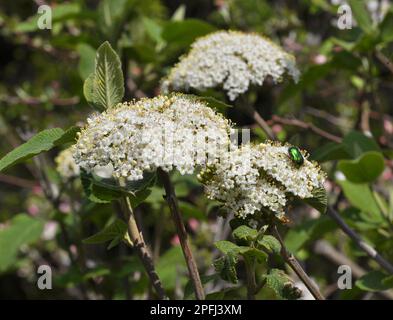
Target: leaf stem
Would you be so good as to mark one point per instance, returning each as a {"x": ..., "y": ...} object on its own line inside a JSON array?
[
  {"x": 140, "y": 246},
  {"x": 251, "y": 281},
  {"x": 170, "y": 197},
  {"x": 296, "y": 267}
]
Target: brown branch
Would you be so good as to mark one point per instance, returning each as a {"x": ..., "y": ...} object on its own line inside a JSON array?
[
  {"x": 294, "y": 264},
  {"x": 16, "y": 181},
  {"x": 34, "y": 101},
  {"x": 170, "y": 197},
  {"x": 259, "y": 120},
  {"x": 140, "y": 246},
  {"x": 369, "y": 250},
  {"x": 384, "y": 60},
  {"x": 307, "y": 126}
]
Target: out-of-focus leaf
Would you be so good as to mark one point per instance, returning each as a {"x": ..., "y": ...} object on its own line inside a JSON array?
[
  {"x": 86, "y": 59},
  {"x": 171, "y": 268},
  {"x": 189, "y": 289},
  {"x": 330, "y": 151},
  {"x": 364, "y": 169},
  {"x": 42, "y": 141},
  {"x": 373, "y": 281},
  {"x": 186, "y": 31},
  {"x": 153, "y": 29},
  {"x": 115, "y": 232},
  {"x": 361, "y": 15},
  {"x": 356, "y": 143},
  {"x": 111, "y": 13},
  {"x": 22, "y": 230},
  {"x": 298, "y": 236},
  {"x": 386, "y": 28},
  {"x": 360, "y": 196}
]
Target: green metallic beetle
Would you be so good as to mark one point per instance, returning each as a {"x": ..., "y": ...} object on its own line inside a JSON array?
[{"x": 295, "y": 155}]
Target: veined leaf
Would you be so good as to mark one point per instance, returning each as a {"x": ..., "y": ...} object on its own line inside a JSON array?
[
  {"x": 42, "y": 141},
  {"x": 109, "y": 81},
  {"x": 104, "y": 88},
  {"x": 22, "y": 230},
  {"x": 115, "y": 232},
  {"x": 364, "y": 169}
]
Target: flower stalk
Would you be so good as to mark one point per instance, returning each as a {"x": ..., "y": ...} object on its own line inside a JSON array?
[
  {"x": 171, "y": 199},
  {"x": 139, "y": 245},
  {"x": 296, "y": 267}
]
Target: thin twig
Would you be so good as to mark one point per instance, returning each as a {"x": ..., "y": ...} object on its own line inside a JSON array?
[
  {"x": 170, "y": 197},
  {"x": 308, "y": 126},
  {"x": 140, "y": 246},
  {"x": 384, "y": 60},
  {"x": 259, "y": 120},
  {"x": 369, "y": 250},
  {"x": 294, "y": 264},
  {"x": 251, "y": 282}
]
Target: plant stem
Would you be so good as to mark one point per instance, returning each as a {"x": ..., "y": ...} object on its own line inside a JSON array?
[
  {"x": 371, "y": 252},
  {"x": 170, "y": 197},
  {"x": 251, "y": 282},
  {"x": 294, "y": 264},
  {"x": 140, "y": 246},
  {"x": 260, "y": 121}
]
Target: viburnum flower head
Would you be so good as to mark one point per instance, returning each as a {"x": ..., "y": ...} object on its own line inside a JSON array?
[
  {"x": 232, "y": 60},
  {"x": 176, "y": 131},
  {"x": 65, "y": 164},
  {"x": 262, "y": 177}
]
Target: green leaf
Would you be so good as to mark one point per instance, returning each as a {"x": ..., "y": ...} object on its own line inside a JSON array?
[
  {"x": 386, "y": 28},
  {"x": 319, "y": 200},
  {"x": 282, "y": 285},
  {"x": 109, "y": 81},
  {"x": 42, "y": 141},
  {"x": 226, "y": 267},
  {"x": 86, "y": 59},
  {"x": 111, "y": 14},
  {"x": 361, "y": 15},
  {"x": 297, "y": 237},
  {"x": 22, "y": 230},
  {"x": 115, "y": 232},
  {"x": 356, "y": 143},
  {"x": 227, "y": 247},
  {"x": 96, "y": 191},
  {"x": 330, "y": 151},
  {"x": 373, "y": 281},
  {"x": 270, "y": 244},
  {"x": 171, "y": 268},
  {"x": 153, "y": 29},
  {"x": 256, "y": 254},
  {"x": 364, "y": 169},
  {"x": 388, "y": 282},
  {"x": 245, "y": 233},
  {"x": 189, "y": 288},
  {"x": 186, "y": 31},
  {"x": 360, "y": 196}
]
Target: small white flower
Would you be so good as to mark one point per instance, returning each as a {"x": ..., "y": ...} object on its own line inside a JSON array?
[
  {"x": 163, "y": 132},
  {"x": 232, "y": 60},
  {"x": 254, "y": 178},
  {"x": 65, "y": 164}
]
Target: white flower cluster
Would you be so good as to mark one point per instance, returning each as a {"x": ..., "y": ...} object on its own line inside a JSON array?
[
  {"x": 65, "y": 164},
  {"x": 257, "y": 177},
  {"x": 165, "y": 132},
  {"x": 233, "y": 60}
]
